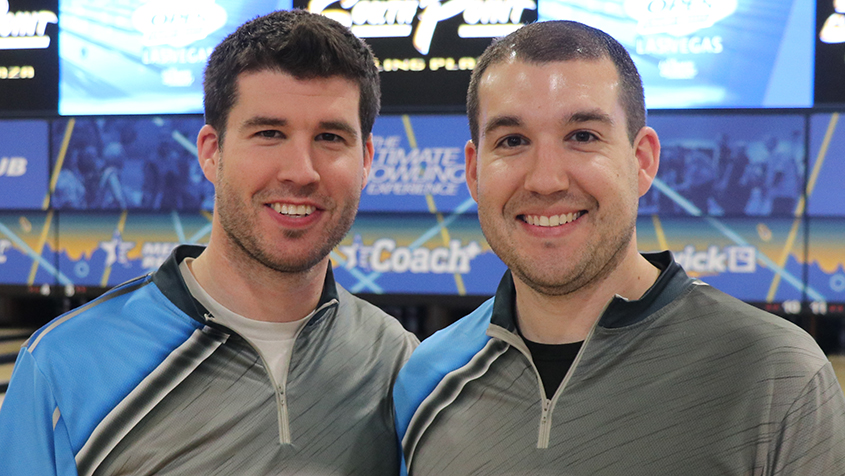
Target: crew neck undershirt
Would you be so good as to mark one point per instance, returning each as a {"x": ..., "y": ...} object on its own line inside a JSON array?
[
  {"x": 552, "y": 362},
  {"x": 274, "y": 340}
]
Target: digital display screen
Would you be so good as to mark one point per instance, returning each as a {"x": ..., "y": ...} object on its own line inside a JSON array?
[
  {"x": 728, "y": 165},
  {"x": 719, "y": 203},
  {"x": 826, "y": 265},
  {"x": 27, "y": 249},
  {"x": 830, "y": 52},
  {"x": 24, "y": 163},
  {"x": 715, "y": 53},
  {"x": 143, "y": 57},
  {"x": 419, "y": 165},
  {"x": 137, "y": 163},
  {"x": 417, "y": 254},
  {"x": 426, "y": 50},
  {"x": 106, "y": 249},
  {"x": 756, "y": 260},
  {"x": 826, "y": 182},
  {"x": 29, "y": 57},
  {"x": 711, "y": 164}
]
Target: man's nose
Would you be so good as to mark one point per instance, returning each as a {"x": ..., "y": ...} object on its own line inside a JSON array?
[
  {"x": 299, "y": 163},
  {"x": 548, "y": 169}
]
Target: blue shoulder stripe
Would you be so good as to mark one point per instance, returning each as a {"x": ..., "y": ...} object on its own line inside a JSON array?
[
  {"x": 440, "y": 354},
  {"x": 117, "y": 291}
]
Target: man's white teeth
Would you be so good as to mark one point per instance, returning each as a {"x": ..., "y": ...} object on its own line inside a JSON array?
[
  {"x": 553, "y": 220},
  {"x": 297, "y": 210}
]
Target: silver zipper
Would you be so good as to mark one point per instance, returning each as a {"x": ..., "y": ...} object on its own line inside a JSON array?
[
  {"x": 280, "y": 390},
  {"x": 546, "y": 405}
]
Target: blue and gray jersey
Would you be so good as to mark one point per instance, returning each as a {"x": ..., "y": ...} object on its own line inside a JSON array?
[
  {"x": 139, "y": 382},
  {"x": 686, "y": 380}
]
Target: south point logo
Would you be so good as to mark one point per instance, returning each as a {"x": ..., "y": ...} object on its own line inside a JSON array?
[
  {"x": 24, "y": 30},
  {"x": 394, "y": 18}
]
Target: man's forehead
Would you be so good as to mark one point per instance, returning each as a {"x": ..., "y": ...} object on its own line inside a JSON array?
[
  {"x": 516, "y": 64},
  {"x": 263, "y": 96},
  {"x": 502, "y": 84}
]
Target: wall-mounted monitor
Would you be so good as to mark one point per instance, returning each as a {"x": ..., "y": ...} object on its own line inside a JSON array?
[
  {"x": 27, "y": 249},
  {"x": 143, "y": 57},
  {"x": 106, "y": 249},
  {"x": 29, "y": 62},
  {"x": 426, "y": 50},
  {"x": 136, "y": 163},
  {"x": 756, "y": 260},
  {"x": 826, "y": 172},
  {"x": 830, "y": 52},
  {"x": 714, "y": 53},
  {"x": 728, "y": 165},
  {"x": 419, "y": 165},
  {"x": 24, "y": 163},
  {"x": 826, "y": 265},
  {"x": 417, "y": 253}
]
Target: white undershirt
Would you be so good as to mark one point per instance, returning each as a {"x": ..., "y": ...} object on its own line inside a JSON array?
[{"x": 274, "y": 340}]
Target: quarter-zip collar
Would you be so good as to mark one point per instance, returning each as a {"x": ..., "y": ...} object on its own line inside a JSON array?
[
  {"x": 169, "y": 280},
  {"x": 619, "y": 312}
]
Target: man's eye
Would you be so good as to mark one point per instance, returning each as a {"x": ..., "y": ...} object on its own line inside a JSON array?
[
  {"x": 583, "y": 136},
  {"x": 512, "y": 141},
  {"x": 270, "y": 134},
  {"x": 329, "y": 137}
]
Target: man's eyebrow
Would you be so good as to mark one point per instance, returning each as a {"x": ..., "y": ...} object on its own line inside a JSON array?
[
  {"x": 341, "y": 126},
  {"x": 263, "y": 121},
  {"x": 501, "y": 121},
  {"x": 266, "y": 121},
  {"x": 595, "y": 115}
]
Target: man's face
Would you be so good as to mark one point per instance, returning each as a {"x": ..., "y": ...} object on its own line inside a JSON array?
[
  {"x": 554, "y": 174},
  {"x": 289, "y": 175}
]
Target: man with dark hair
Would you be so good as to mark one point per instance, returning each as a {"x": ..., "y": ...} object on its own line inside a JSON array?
[
  {"x": 594, "y": 359},
  {"x": 243, "y": 357}
]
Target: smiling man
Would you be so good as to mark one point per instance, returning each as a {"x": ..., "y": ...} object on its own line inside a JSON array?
[
  {"x": 243, "y": 357},
  {"x": 594, "y": 359}
]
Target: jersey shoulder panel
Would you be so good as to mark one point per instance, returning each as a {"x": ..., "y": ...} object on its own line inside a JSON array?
[{"x": 445, "y": 351}]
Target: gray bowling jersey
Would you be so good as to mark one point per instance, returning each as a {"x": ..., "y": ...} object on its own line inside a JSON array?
[
  {"x": 685, "y": 381},
  {"x": 140, "y": 382}
]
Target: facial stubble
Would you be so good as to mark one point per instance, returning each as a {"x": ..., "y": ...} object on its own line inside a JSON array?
[
  {"x": 599, "y": 258},
  {"x": 239, "y": 222}
]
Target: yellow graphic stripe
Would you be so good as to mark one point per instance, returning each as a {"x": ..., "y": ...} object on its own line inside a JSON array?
[
  {"x": 208, "y": 216},
  {"x": 106, "y": 272},
  {"x": 799, "y": 209},
  {"x": 60, "y": 160},
  {"x": 658, "y": 230},
  {"x": 41, "y": 241},
  {"x": 432, "y": 208}
]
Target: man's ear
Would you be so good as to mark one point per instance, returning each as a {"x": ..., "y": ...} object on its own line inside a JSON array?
[
  {"x": 208, "y": 152},
  {"x": 369, "y": 152},
  {"x": 471, "y": 155},
  {"x": 647, "y": 152}
]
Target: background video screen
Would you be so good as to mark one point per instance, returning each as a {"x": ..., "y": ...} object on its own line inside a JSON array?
[
  {"x": 716, "y": 53},
  {"x": 728, "y": 165},
  {"x": 24, "y": 164},
  {"x": 830, "y": 52},
  {"x": 143, "y": 57},
  {"x": 136, "y": 163},
  {"x": 29, "y": 57},
  {"x": 426, "y": 50},
  {"x": 826, "y": 181}
]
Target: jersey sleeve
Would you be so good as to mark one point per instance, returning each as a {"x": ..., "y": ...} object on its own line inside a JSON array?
[
  {"x": 30, "y": 428},
  {"x": 812, "y": 434}
]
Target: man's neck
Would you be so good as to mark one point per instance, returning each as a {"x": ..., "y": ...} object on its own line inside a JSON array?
[
  {"x": 568, "y": 318},
  {"x": 250, "y": 289}
]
